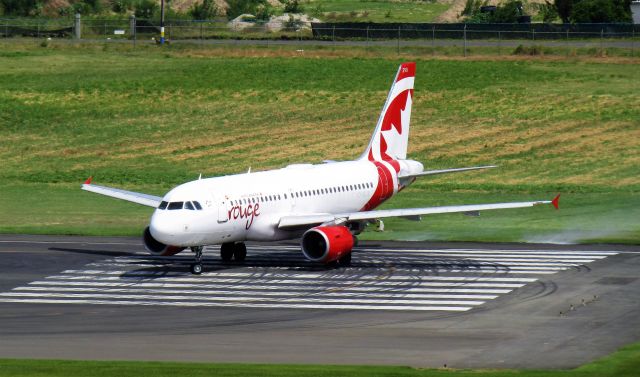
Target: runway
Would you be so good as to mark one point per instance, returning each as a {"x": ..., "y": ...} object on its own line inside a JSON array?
[{"x": 403, "y": 303}]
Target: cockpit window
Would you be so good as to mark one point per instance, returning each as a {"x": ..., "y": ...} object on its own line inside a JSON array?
[
  {"x": 175, "y": 205},
  {"x": 197, "y": 205},
  {"x": 189, "y": 206},
  {"x": 163, "y": 205}
]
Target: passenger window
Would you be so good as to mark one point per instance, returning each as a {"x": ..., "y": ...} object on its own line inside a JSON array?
[
  {"x": 189, "y": 206},
  {"x": 198, "y": 206},
  {"x": 175, "y": 205},
  {"x": 163, "y": 205}
]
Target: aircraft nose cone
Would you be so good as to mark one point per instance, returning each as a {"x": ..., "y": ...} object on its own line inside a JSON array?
[{"x": 162, "y": 228}]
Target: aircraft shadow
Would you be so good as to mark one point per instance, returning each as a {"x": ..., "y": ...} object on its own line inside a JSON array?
[{"x": 107, "y": 253}]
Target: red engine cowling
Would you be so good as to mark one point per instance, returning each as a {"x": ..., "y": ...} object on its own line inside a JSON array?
[
  {"x": 327, "y": 243},
  {"x": 156, "y": 247}
]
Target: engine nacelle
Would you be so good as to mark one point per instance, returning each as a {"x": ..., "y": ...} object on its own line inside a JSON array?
[
  {"x": 156, "y": 247},
  {"x": 327, "y": 243}
]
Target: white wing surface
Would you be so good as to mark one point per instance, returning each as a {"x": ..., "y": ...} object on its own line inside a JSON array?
[
  {"x": 296, "y": 221},
  {"x": 130, "y": 196}
]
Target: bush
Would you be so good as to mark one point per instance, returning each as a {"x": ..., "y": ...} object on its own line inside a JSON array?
[
  {"x": 264, "y": 12},
  {"x": 293, "y": 6},
  {"x": 529, "y": 50},
  {"x": 146, "y": 8},
  {"x": 204, "y": 11},
  {"x": 121, "y": 6},
  {"x": 548, "y": 12},
  {"x": 238, "y": 7}
]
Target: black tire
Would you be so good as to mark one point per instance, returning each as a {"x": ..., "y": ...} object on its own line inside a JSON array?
[
  {"x": 345, "y": 260},
  {"x": 226, "y": 252},
  {"x": 240, "y": 252},
  {"x": 196, "y": 268}
]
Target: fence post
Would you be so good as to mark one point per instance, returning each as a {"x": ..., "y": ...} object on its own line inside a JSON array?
[
  {"x": 633, "y": 43},
  {"x": 601, "y": 39},
  {"x": 77, "y": 27},
  {"x": 132, "y": 28},
  {"x": 201, "y": 40},
  {"x": 333, "y": 34},
  {"x": 367, "y": 36},
  {"x": 433, "y": 39},
  {"x": 499, "y": 44},
  {"x": 533, "y": 34},
  {"x": 567, "y": 39},
  {"x": 398, "y": 40},
  {"x": 464, "y": 36}
]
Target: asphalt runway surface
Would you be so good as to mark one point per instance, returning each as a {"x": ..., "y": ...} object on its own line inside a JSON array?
[{"x": 400, "y": 303}]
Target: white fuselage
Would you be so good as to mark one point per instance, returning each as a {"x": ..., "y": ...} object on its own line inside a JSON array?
[{"x": 249, "y": 206}]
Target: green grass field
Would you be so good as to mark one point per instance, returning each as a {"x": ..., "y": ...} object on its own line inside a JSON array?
[
  {"x": 375, "y": 10},
  {"x": 623, "y": 363},
  {"x": 148, "y": 119}
]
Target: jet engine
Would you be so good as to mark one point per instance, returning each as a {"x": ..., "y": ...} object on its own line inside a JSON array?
[
  {"x": 327, "y": 243},
  {"x": 156, "y": 247}
]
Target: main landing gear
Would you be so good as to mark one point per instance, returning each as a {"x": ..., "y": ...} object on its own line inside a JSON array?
[
  {"x": 237, "y": 251},
  {"x": 196, "y": 268}
]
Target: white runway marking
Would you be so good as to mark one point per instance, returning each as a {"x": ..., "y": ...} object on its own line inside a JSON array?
[{"x": 278, "y": 277}]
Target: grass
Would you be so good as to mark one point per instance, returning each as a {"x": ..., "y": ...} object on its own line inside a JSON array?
[
  {"x": 375, "y": 10},
  {"x": 623, "y": 363},
  {"x": 148, "y": 119}
]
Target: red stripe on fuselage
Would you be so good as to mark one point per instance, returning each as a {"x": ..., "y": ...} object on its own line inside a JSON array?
[{"x": 385, "y": 185}]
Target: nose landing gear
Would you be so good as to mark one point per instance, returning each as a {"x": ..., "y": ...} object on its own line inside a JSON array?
[
  {"x": 196, "y": 268},
  {"x": 228, "y": 252}
]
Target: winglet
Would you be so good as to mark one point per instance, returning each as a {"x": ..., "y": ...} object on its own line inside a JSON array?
[
  {"x": 556, "y": 201},
  {"x": 88, "y": 181}
]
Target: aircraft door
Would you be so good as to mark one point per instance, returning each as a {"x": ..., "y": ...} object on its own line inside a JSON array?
[{"x": 223, "y": 211}]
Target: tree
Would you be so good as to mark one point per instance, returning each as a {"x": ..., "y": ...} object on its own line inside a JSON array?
[
  {"x": 601, "y": 11},
  {"x": 548, "y": 11},
  {"x": 564, "y": 8},
  {"x": 19, "y": 7},
  {"x": 507, "y": 12}
]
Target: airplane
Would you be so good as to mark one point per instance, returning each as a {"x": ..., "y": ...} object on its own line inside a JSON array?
[{"x": 325, "y": 205}]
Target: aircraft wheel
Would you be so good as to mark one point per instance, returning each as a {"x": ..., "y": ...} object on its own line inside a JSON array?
[
  {"x": 196, "y": 268},
  {"x": 226, "y": 252},
  {"x": 345, "y": 260},
  {"x": 240, "y": 252}
]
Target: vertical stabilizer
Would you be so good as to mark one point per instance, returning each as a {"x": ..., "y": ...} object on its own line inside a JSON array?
[{"x": 391, "y": 136}]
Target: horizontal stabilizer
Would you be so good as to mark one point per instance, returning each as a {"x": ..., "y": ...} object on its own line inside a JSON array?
[{"x": 444, "y": 171}]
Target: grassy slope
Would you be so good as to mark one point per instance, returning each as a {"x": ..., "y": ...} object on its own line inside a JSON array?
[
  {"x": 623, "y": 363},
  {"x": 148, "y": 120},
  {"x": 375, "y": 10}
]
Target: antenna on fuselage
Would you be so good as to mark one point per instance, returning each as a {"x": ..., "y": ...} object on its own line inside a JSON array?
[
  {"x": 249, "y": 171},
  {"x": 200, "y": 177}
]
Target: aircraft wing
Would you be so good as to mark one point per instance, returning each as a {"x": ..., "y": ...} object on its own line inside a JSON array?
[
  {"x": 297, "y": 221},
  {"x": 130, "y": 196},
  {"x": 443, "y": 171}
]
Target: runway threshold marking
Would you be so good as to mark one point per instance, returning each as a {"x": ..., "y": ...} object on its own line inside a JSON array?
[{"x": 276, "y": 277}]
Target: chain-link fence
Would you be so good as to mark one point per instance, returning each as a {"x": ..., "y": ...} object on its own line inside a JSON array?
[{"x": 399, "y": 36}]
